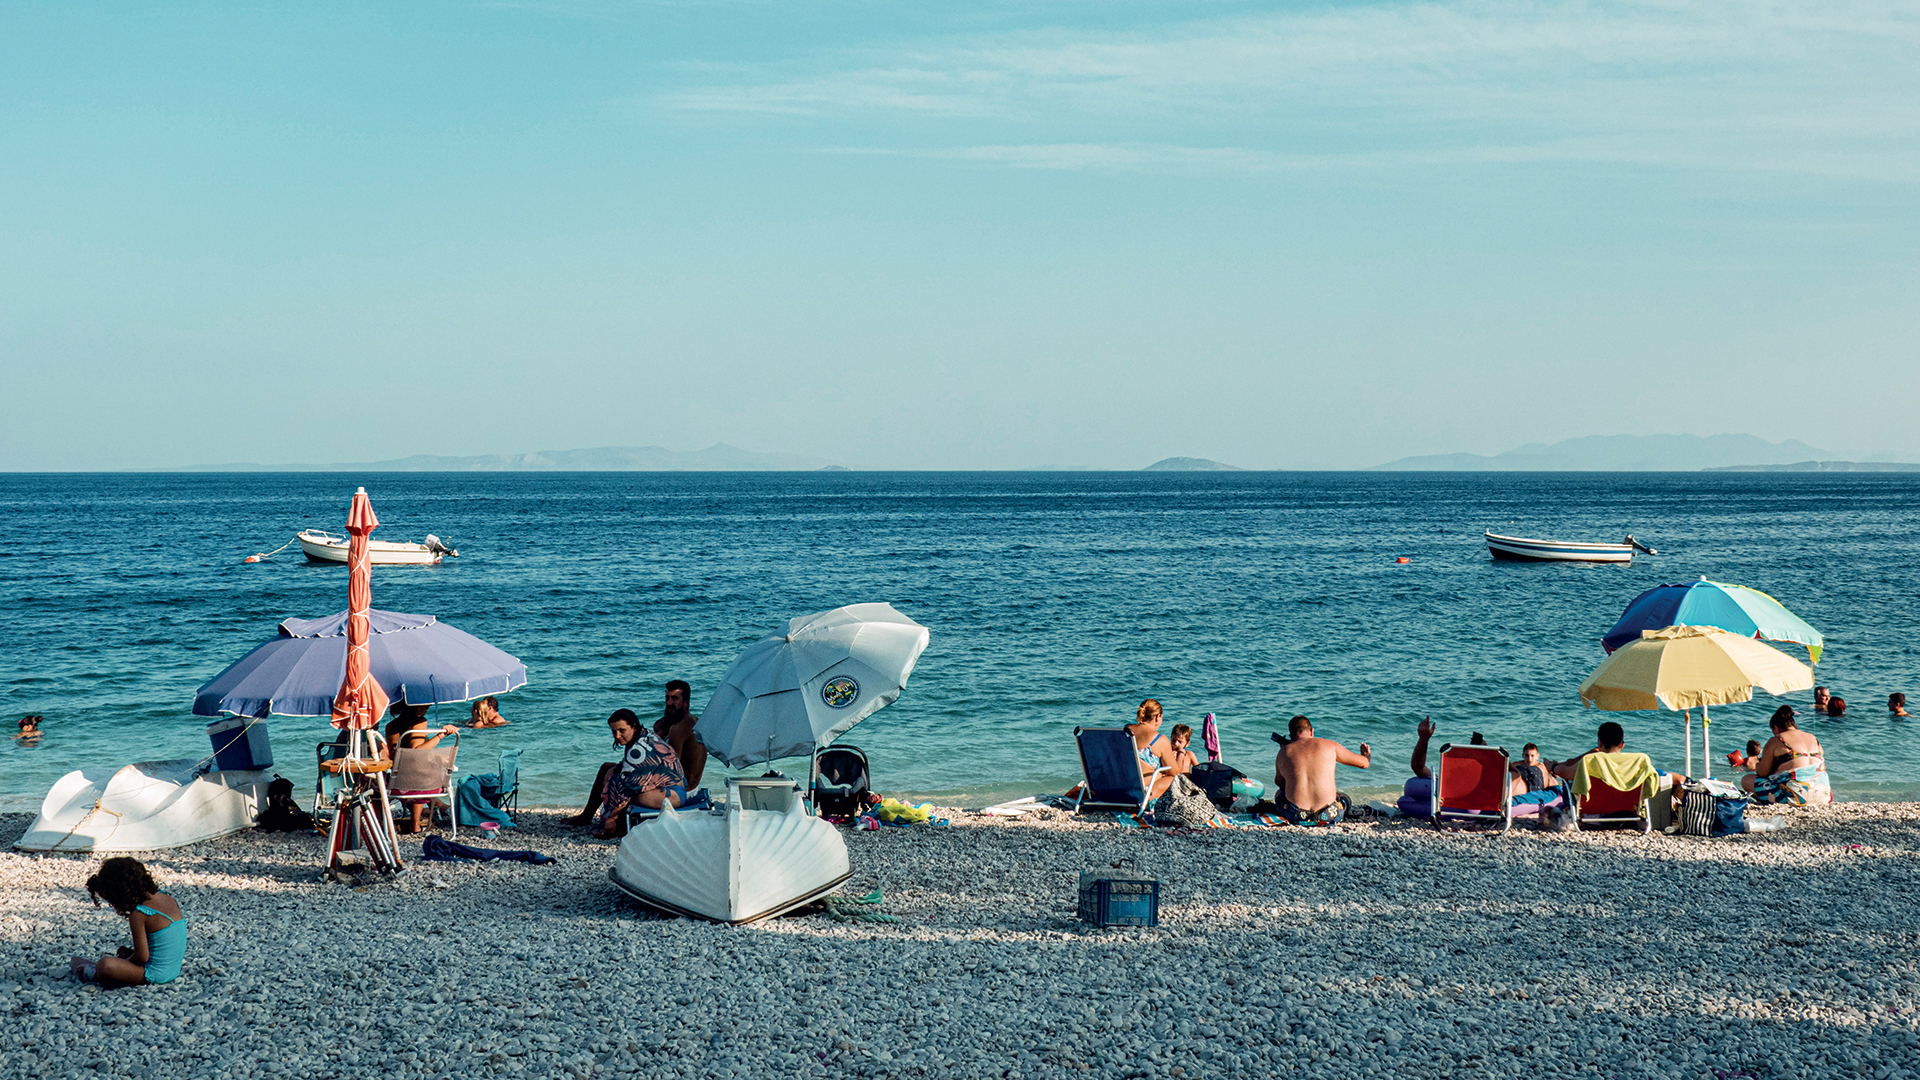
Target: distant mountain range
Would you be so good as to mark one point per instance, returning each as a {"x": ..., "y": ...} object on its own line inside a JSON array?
[
  {"x": 1826, "y": 466},
  {"x": 1621, "y": 453},
  {"x": 1190, "y": 464},
  {"x": 716, "y": 458}
]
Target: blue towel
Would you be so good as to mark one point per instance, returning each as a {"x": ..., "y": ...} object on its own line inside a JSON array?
[
  {"x": 478, "y": 800},
  {"x": 440, "y": 849}
]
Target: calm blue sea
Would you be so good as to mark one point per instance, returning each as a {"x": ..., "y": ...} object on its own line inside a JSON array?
[{"x": 1055, "y": 600}]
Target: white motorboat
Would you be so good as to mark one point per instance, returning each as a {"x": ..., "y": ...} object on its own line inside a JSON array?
[
  {"x": 736, "y": 863},
  {"x": 146, "y": 806},
  {"x": 326, "y": 547},
  {"x": 1525, "y": 549}
]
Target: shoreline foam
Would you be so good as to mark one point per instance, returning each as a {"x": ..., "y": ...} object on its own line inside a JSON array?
[{"x": 1370, "y": 949}]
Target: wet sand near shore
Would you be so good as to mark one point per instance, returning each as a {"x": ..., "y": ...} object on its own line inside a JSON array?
[{"x": 1372, "y": 949}]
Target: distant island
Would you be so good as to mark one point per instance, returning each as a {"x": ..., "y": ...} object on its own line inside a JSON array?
[
  {"x": 1620, "y": 453},
  {"x": 1826, "y": 466},
  {"x": 716, "y": 458},
  {"x": 1190, "y": 464}
]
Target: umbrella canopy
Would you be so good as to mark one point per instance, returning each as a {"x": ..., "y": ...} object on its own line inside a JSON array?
[
  {"x": 360, "y": 702},
  {"x": 1691, "y": 667},
  {"x": 1713, "y": 603},
  {"x": 415, "y": 658},
  {"x": 797, "y": 689}
]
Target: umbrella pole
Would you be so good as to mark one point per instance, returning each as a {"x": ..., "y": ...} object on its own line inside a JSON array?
[
  {"x": 1706, "y": 751},
  {"x": 1686, "y": 737}
]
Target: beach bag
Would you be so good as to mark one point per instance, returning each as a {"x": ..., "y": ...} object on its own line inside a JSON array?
[
  {"x": 1185, "y": 803},
  {"x": 1696, "y": 810},
  {"x": 1705, "y": 812},
  {"x": 1729, "y": 816}
]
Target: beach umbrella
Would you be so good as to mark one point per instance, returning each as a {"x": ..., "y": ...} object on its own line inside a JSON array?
[
  {"x": 796, "y": 689},
  {"x": 1691, "y": 667},
  {"x": 412, "y": 658},
  {"x": 361, "y": 702},
  {"x": 1713, "y": 603}
]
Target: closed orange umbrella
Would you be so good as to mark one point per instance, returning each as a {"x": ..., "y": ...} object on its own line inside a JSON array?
[{"x": 360, "y": 703}]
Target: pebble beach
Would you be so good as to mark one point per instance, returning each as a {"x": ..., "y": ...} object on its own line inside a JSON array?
[{"x": 1371, "y": 949}]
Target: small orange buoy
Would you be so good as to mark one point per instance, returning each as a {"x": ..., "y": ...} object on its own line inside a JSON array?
[
  {"x": 253, "y": 558},
  {"x": 1403, "y": 559}
]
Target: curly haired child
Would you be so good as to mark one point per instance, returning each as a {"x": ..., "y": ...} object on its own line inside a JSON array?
[{"x": 159, "y": 929}]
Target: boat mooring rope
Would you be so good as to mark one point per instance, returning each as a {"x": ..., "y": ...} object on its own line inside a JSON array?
[{"x": 270, "y": 554}]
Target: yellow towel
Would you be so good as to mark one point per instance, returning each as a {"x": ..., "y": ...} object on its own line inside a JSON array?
[
  {"x": 1621, "y": 771},
  {"x": 896, "y": 811}
]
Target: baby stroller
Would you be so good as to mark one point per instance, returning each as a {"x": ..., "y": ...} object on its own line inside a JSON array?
[{"x": 840, "y": 781}]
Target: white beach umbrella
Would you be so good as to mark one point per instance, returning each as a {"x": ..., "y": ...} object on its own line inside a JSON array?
[{"x": 795, "y": 690}]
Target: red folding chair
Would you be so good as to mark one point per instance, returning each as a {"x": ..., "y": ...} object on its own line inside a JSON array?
[
  {"x": 1605, "y": 804},
  {"x": 1472, "y": 789}
]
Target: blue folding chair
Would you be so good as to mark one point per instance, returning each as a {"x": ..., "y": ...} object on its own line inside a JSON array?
[
  {"x": 509, "y": 800},
  {"x": 1111, "y": 765}
]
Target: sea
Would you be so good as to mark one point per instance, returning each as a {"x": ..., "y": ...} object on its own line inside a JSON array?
[{"x": 1055, "y": 600}]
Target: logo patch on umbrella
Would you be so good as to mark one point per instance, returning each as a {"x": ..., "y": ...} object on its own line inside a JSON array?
[{"x": 840, "y": 693}]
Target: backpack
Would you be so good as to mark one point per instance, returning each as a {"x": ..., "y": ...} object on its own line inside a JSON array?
[
  {"x": 282, "y": 813},
  {"x": 1216, "y": 779}
]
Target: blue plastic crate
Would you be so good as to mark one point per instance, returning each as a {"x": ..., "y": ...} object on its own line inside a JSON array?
[{"x": 1119, "y": 898}]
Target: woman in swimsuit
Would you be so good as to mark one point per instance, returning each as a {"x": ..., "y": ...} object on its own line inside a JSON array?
[
  {"x": 159, "y": 929},
  {"x": 408, "y": 731},
  {"x": 1152, "y": 748},
  {"x": 1792, "y": 767}
]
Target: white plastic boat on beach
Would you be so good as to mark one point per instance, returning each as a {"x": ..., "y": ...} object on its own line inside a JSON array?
[
  {"x": 732, "y": 864},
  {"x": 145, "y": 806},
  {"x": 1527, "y": 549},
  {"x": 326, "y": 547}
]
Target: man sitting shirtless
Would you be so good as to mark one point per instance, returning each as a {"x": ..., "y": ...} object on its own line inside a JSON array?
[{"x": 1303, "y": 770}]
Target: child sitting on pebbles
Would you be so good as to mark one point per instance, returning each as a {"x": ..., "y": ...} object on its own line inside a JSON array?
[{"x": 159, "y": 929}]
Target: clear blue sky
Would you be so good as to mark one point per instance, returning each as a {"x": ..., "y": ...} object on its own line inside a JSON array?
[{"x": 953, "y": 235}]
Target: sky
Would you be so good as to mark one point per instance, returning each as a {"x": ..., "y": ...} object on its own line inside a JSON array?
[{"x": 950, "y": 235}]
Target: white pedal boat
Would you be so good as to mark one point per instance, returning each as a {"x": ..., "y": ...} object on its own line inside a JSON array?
[
  {"x": 1528, "y": 549},
  {"x": 146, "y": 806},
  {"x": 731, "y": 864},
  {"x": 326, "y": 547}
]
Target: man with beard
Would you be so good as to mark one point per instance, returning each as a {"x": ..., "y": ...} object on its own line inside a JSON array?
[{"x": 676, "y": 726}]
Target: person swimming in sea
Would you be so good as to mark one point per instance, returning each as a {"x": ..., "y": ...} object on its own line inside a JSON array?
[
  {"x": 30, "y": 729},
  {"x": 1897, "y": 705}
]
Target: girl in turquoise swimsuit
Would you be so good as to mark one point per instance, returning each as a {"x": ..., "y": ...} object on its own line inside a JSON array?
[{"x": 159, "y": 929}]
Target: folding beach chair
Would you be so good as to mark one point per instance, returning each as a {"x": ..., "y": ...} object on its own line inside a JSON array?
[
  {"x": 327, "y": 786},
  {"x": 699, "y": 799},
  {"x": 426, "y": 775},
  {"x": 329, "y": 783},
  {"x": 840, "y": 779},
  {"x": 1472, "y": 789},
  {"x": 1111, "y": 765},
  {"x": 509, "y": 800},
  {"x": 1603, "y": 804}
]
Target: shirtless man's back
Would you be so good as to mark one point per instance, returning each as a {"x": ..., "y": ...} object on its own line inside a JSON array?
[{"x": 1304, "y": 768}]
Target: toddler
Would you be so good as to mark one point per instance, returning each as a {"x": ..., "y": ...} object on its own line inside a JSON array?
[{"x": 159, "y": 930}]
